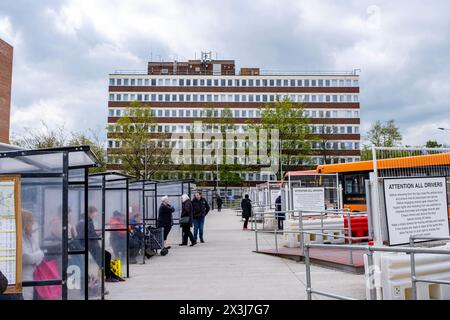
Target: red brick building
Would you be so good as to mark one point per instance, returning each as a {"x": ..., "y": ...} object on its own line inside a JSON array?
[{"x": 6, "y": 59}]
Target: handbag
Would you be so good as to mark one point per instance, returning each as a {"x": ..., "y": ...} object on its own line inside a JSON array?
[
  {"x": 116, "y": 267},
  {"x": 48, "y": 270},
  {"x": 185, "y": 221}
]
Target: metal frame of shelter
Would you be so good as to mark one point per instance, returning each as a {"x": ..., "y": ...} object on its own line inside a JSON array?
[
  {"x": 144, "y": 195},
  {"x": 60, "y": 169},
  {"x": 118, "y": 184}
]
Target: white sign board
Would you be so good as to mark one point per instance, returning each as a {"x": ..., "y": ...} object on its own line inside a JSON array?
[
  {"x": 273, "y": 196},
  {"x": 309, "y": 199},
  {"x": 416, "y": 206}
]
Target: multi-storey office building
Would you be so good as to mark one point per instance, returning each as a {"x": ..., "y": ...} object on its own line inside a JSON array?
[
  {"x": 6, "y": 60},
  {"x": 178, "y": 93}
]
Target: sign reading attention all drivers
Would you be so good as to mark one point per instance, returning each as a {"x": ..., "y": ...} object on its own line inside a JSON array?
[{"x": 416, "y": 207}]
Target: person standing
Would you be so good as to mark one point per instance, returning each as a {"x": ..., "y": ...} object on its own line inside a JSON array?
[
  {"x": 165, "y": 218},
  {"x": 201, "y": 209},
  {"x": 246, "y": 206},
  {"x": 280, "y": 215},
  {"x": 94, "y": 245},
  {"x": 32, "y": 255},
  {"x": 186, "y": 218},
  {"x": 219, "y": 202}
]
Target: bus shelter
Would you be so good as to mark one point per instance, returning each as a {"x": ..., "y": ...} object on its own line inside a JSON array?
[
  {"x": 54, "y": 206},
  {"x": 144, "y": 201},
  {"x": 174, "y": 189},
  {"x": 109, "y": 195},
  {"x": 142, "y": 204}
]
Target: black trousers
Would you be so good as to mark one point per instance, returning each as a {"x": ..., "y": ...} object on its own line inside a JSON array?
[
  {"x": 280, "y": 224},
  {"x": 108, "y": 273},
  {"x": 246, "y": 222},
  {"x": 187, "y": 233},
  {"x": 167, "y": 231}
]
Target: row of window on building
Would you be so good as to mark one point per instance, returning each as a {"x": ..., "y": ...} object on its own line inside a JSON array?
[
  {"x": 198, "y": 97},
  {"x": 171, "y": 129},
  {"x": 247, "y": 176},
  {"x": 236, "y": 113},
  {"x": 240, "y": 144},
  {"x": 241, "y": 82}
]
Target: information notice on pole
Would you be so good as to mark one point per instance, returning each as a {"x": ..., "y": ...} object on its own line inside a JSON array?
[
  {"x": 416, "y": 206},
  {"x": 309, "y": 199},
  {"x": 10, "y": 233}
]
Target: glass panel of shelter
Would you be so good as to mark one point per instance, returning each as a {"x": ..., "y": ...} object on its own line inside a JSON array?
[{"x": 52, "y": 269}]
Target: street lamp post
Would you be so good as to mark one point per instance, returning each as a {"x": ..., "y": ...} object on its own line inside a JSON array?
[{"x": 145, "y": 161}]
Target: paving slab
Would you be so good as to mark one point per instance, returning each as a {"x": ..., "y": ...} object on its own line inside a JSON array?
[{"x": 227, "y": 268}]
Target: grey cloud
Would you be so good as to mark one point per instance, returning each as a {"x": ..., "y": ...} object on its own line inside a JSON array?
[{"x": 277, "y": 35}]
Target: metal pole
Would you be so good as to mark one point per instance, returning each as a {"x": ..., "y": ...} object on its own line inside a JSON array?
[
  {"x": 127, "y": 203},
  {"x": 145, "y": 161},
  {"x": 103, "y": 236},
  {"x": 256, "y": 238},
  {"x": 350, "y": 236},
  {"x": 65, "y": 223},
  {"x": 86, "y": 231},
  {"x": 413, "y": 271},
  {"x": 276, "y": 240},
  {"x": 372, "y": 290},
  {"x": 143, "y": 218},
  {"x": 308, "y": 271},
  {"x": 300, "y": 228}
]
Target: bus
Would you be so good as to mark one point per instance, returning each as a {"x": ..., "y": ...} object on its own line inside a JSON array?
[{"x": 352, "y": 176}]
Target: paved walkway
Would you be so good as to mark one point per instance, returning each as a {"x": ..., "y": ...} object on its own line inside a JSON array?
[{"x": 226, "y": 268}]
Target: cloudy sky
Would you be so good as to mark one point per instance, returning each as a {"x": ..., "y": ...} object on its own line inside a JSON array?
[{"x": 65, "y": 49}]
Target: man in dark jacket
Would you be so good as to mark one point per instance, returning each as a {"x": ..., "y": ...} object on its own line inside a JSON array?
[
  {"x": 246, "y": 206},
  {"x": 280, "y": 215},
  {"x": 201, "y": 209}
]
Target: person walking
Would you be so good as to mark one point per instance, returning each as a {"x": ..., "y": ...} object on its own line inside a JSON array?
[
  {"x": 219, "y": 202},
  {"x": 280, "y": 215},
  {"x": 201, "y": 209},
  {"x": 165, "y": 218},
  {"x": 186, "y": 218},
  {"x": 246, "y": 206}
]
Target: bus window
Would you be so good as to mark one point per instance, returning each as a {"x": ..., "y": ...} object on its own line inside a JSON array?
[{"x": 354, "y": 184}]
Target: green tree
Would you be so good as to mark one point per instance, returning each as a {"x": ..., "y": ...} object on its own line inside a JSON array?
[
  {"x": 433, "y": 144},
  {"x": 144, "y": 151},
  {"x": 97, "y": 145},
  {"x": 46, "y": 137},
  {"x": 42, "y": 138},
  {"x": 220, "y": 122},
  {"x": 384, "y": 134},
  {"x": 296, "y": 140}
]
